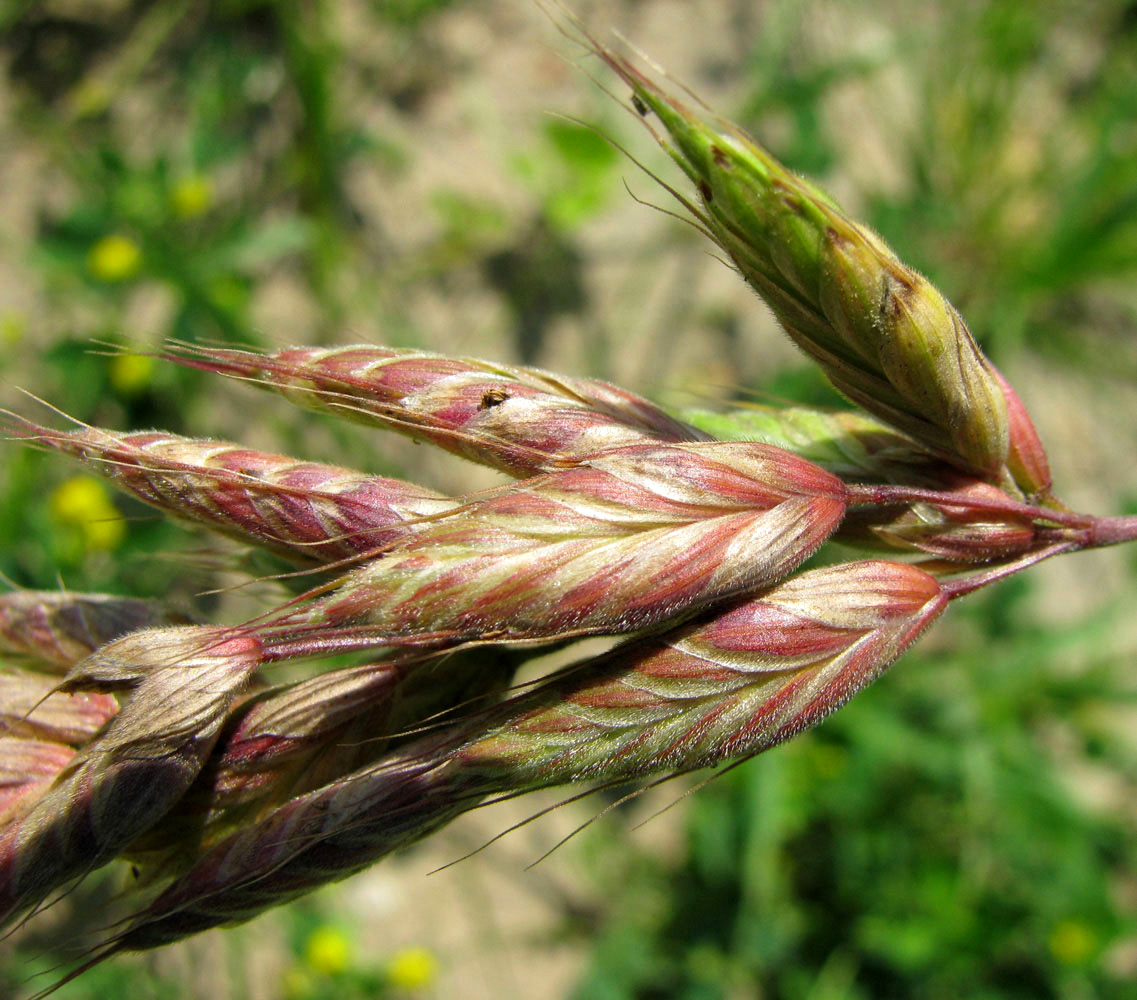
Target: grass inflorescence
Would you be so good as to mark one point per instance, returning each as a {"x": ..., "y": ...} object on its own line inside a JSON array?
[{"x": 131, "y": 732}]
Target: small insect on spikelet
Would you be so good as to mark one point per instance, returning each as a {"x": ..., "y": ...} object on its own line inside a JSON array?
[{"x": 519, "y": 420}]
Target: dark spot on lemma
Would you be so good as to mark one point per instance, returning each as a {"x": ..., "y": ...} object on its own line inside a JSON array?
[
  {"x": 641, "y": 109},
  {"x": 705, "y": 191},
  {"x": 887, "y": 305},
  {"x": 493, "y": 397},
  {"x": 895, "y": 289},
  {"x": 719, "y": 157}
]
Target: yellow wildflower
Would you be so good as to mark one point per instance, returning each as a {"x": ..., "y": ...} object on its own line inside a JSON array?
[
  {"x": 114, "y": 258},
  {"x": 412, "y": 969},
  {"x": 191, "y": 196},
  {"x": 82, "y": 502},
  {"x": 1071, "y": 942},
  {"x": 130, "y": 373},
  {"x": 327, "y": 951}
]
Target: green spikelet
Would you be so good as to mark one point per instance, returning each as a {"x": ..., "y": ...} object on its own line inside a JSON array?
[{"x": 885, "y": 337}]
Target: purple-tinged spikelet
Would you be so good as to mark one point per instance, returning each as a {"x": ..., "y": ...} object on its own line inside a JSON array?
[
  {"x": 313, "y": 839},
  {"x": 726, "y": 688},
  {"x": 305, "y": 511},
  {"x": 31, "y": 706},
  {"x": 27, "y": 768},
  {"x": 57, "y": 629},
  {"x": 618, "y": 543},
  {"x": 520, "y": 420},
  {"x": 183, "y": 682}
]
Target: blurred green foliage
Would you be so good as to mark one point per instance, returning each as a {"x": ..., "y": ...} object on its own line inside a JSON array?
[{"x": 965, "y": 828}]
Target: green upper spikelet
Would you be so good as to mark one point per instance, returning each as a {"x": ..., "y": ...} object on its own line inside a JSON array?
[{"x": 884, "y": 335}]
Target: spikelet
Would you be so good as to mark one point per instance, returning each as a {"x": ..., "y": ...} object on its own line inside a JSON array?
[
  {"x": 291, "y": 740},
  {"x": 726, "y": 688},
  {"x": 271, "y": 739},
  {"x": 40, "y": 729},
  {"x": 27, "y": 768},
  {"x": 183, "y": 682},
  {"x": 846, "y": 443},
  {"x": 957, "y": 534},
  {"x": 31, "y": 706},
  {"x": 278, "y": 744},
  {"x": 45, "y": 633},
  {"x": 718, "y": 690},
  {"x": 619, "y": 543},
  {"x": 519, "y": 420},
  {"x": 309, "y": 841},
  {"x": 883, "y": 334},
  {"x": 305, "y": 511},
  {"x": 57, "y": 629}
]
